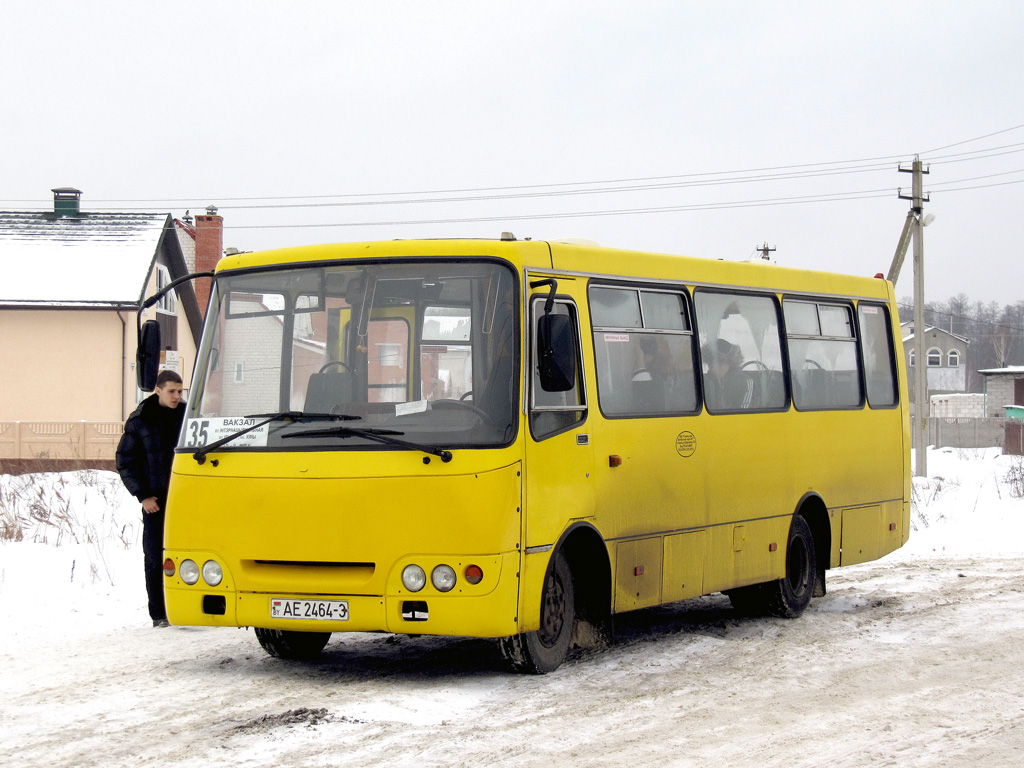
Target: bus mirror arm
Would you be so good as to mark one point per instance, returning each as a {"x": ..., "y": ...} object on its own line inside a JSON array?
[
  {"x": 550, "y": 302},
  {"x": 147, "y": 354},
  {"x": 170, "y": 287}
]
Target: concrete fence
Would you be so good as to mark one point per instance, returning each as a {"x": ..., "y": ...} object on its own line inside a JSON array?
[
  {"x": 47, "y": 446},
  {"x": 968, "y": 433}
]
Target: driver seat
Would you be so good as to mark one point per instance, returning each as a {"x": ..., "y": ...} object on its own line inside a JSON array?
[{"x": 328, "y": 392}]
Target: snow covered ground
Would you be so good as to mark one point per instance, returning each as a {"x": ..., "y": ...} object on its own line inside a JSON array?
[{"x": 913, "y": 660}]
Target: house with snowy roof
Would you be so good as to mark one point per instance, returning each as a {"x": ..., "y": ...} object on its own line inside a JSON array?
[{"x": 71, "y": 282}]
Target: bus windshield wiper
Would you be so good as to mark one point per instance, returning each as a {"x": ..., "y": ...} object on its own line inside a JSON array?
[
  {"x": 377, "y": 435},
  {"x": 294, "y": 416}
]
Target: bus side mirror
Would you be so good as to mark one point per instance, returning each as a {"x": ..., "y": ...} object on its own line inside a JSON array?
[
  {"x": 147, "y": 356},
  {"x": 556, "y": 353}
]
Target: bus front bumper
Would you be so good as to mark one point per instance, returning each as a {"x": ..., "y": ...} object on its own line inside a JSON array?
[{"x": 462, "y": 612}]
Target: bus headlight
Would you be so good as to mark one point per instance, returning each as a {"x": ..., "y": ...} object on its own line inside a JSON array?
[
  {"x": 443, "y": 578},
  {"x": 414, "y": 578},
  {"x": 189, "y": 571},
  {"x": 213, "y": 574}
]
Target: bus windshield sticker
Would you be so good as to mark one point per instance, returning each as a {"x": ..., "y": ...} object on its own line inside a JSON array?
[
  {"x": 416, "y": 406},
  {"x": 203, "y": 432},
  {"x": 616, "y": 337}
]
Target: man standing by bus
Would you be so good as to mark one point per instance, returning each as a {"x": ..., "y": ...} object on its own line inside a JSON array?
[{"x": 144, "y": 457}]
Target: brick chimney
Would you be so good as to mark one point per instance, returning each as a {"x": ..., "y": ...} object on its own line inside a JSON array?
[{"x": 209, "y": 249}]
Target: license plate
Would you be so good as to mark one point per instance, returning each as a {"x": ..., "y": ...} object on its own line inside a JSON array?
[{"x": 316, "y": 610}]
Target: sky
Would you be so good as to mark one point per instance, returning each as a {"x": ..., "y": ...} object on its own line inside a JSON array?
[{"x": 706, "y": 129}]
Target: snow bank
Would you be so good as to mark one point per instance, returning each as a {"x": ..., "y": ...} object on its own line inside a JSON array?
[
  {"x": 73, "y": 545},
  {"x": 970, "y": 504}
]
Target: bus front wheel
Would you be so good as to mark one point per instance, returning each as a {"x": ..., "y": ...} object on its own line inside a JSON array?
[
  {"x": 286, "y": 644},
  {"x": 544, "y": 650}
]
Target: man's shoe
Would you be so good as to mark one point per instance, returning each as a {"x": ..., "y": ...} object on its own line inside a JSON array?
[{"x": 160, "y": 623}]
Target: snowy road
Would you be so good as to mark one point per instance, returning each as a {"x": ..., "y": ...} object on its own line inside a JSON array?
[{"x": 910, "y": 661}]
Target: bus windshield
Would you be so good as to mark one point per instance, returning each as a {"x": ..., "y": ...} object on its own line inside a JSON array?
[{"x": 425, "y": 351}]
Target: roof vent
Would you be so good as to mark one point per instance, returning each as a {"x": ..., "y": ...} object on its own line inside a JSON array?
[{"x": 67, "y": 201}]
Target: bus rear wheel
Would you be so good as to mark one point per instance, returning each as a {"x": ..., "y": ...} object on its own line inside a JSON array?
[
  {"x": 544, "y": 650},
  {"x": 789, "y": 596},
  {"x": 286, "y": 644}
]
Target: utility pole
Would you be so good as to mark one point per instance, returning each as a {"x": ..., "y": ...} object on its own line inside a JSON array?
[
  {"x": 765, "y": 250},
  {"x": 918, "y": 199}
]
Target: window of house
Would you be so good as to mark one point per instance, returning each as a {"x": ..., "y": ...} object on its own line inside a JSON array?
[
  {"x": 389, "y": 355},
  {"x": 934, "y": 357},
  {"x": 910, "y": 358},
  {"x": 168, "y": 303},
  {"x": 166, "y": 310},
  {"x": 954, "y": 358}
]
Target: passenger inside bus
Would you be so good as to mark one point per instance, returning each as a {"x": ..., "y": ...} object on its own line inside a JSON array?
[
  {"x": 660, "y": 385},
  {"x": 729, "y": 387}
]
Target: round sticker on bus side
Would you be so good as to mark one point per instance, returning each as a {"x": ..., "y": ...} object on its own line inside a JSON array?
[{"x": 686, "y": 444}]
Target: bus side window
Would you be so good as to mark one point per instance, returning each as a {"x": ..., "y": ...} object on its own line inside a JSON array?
[
  {"x": 741, "y": 351},
  {"x": 555, "y": 412},
  {"x": 644, "y": 351},
  {"x": 822, "y": 355},
  {"x": 877, "y": 351}
]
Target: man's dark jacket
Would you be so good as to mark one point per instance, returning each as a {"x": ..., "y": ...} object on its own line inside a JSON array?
[{"x": 146, "y": 449}]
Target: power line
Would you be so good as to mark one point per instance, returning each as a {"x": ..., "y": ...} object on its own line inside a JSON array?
[
  {"x": 976, "y": 178},
  {"x": 830, "y": 168},
  {"x": 720, "y": 205},
  {"x": 502, "y": 193},
  {"x": 611, "y": 186},
  {"x": 943, "y": 313},
  {"x": 977, "y": 138},
  {"x": 724, "y": 179},
  {"x": 830, "y": 197}
]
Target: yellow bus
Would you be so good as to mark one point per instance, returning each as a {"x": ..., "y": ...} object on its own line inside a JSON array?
[{"x": 518, "y": 439}]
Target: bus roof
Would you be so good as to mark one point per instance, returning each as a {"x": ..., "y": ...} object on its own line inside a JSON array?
[{"x": 581, "y": 258}]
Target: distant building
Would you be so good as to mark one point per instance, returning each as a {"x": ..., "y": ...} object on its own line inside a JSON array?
[
  {"x": 1003, "y": 387},
  {"x": 945, "y": 356}
]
